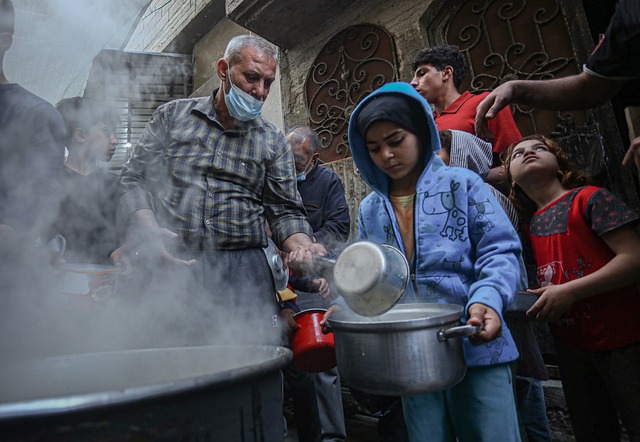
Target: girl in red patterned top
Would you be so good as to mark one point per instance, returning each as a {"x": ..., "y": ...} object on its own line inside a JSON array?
[{"x": 586, "y": 249}]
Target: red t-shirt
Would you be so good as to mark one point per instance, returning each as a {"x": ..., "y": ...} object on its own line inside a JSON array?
[
  {"x": 461, "y": 114},
  {"x": 565, "y": 237}
]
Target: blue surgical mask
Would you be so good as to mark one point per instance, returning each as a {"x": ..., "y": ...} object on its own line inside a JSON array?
[
  {"x": 303, "y": 175},
  {"x": 241, "y": 105}
]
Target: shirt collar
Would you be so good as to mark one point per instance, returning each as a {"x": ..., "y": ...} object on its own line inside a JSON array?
[{"x": 456, "y": 105}]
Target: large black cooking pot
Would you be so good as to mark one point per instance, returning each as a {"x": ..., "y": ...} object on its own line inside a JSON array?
[{"x": 213, "y": 393}]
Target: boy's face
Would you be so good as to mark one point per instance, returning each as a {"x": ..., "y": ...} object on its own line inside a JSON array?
[
  {"x": 428, "y": 82},
  {"x": 395, "y": 151},
  {"x": 102, "y": 141}
]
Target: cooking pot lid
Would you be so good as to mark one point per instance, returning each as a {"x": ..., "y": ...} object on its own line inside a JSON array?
[{"x": 279, "y": 271}]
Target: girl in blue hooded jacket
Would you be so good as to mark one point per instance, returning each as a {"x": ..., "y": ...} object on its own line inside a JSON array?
[{"x": 462, "y": 250}]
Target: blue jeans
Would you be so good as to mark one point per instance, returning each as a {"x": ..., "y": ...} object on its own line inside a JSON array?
[{"x": 481, "y": 407}]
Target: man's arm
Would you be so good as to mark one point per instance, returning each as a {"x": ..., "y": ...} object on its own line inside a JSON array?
[{"x": 580, "y": 91}]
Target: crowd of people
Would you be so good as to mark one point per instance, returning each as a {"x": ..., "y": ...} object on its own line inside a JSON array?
[{"x": 455, "y": 187}]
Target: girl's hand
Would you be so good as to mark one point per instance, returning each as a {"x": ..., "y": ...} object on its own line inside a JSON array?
[
  {"x": 553, "y": 303},
  {"x": 331, "y": 310},
  {"x": 489, "y": 319}
]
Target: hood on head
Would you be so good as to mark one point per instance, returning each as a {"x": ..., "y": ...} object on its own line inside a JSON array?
[
  {"x": 470, "y": 152},
  {"x": 372, "y": 175}
]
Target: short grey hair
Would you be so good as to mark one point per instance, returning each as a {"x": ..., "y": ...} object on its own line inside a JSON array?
[
  {"x": 301, "y": 133},
  {"x": 237, "y": 43}
]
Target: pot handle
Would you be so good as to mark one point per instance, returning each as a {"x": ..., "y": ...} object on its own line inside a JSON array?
[
  {"x": 458, "y": 332},
  {"x": 323, "y": 261}
]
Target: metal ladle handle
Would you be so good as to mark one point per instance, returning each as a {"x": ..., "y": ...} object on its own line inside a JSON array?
[{"x": 323, "y": 261}]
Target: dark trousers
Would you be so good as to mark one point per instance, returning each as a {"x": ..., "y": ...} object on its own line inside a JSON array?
[{"x": 599, "y": 387}]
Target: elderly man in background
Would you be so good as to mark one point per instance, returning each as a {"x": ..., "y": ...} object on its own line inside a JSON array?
[
  {"x": 198, "y": 188},
  {"x": 328, "y": 214}
]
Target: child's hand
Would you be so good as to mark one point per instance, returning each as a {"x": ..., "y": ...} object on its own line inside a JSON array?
[
  {"x": 289, "y": 324},
  {"x": 553, "y": 303},
  {"x": 332, "y": 309},
  {"x": 322, "y": 286},
  {"x": 488, "y": 318}
]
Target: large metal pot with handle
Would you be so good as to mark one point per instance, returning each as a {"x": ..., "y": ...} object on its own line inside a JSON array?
[
  {"x": 220, "y": 393},
  {"x": 411, "y": 349}
]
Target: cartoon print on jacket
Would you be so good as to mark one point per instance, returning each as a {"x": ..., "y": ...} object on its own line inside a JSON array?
[
  {"x": 481, "y": 222},
  {"x": 455, "y": 225},
  {"x": 494, "y": 349}
]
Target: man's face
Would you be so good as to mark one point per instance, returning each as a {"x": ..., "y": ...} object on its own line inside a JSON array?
[
  {"x": 102, "y": 141},
  {"x": 301, "y": 154},
  {"x": 253, "y": 73},
  {"x": 428, "y": 82}
]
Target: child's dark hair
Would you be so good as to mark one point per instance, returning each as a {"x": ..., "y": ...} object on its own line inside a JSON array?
[
  {"x": 569, "y": 174},
  {"x": 440, "y": 57},
  {"x": 83, "y": 113}
]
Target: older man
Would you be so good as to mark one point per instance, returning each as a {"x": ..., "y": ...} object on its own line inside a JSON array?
[
  {"x": 203, "y": 179},
  {"x": 328, "y": 214}
]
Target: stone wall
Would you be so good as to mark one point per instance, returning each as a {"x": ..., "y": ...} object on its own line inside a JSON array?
[
  {"x": 162, "y": 22},
  {"x": 400, "y": 18}
]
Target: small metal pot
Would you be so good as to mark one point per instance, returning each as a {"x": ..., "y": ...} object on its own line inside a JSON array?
[
  {"x": 411, "y": 349},
  {"x": 87, "y": 287},
  {"x": 371, "y": 277}
]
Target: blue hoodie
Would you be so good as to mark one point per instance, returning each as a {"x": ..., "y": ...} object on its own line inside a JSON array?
[{"x": 466, "y": 249}]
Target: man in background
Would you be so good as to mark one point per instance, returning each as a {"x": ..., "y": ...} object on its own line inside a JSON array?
[
  {"x": 328, "y": 214},
  {"x": 32, "y": 151}
]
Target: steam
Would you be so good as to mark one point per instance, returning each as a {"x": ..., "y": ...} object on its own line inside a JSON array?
[
  {"x": 56, "y": 40},
  {"x": 152, "y": 307}
]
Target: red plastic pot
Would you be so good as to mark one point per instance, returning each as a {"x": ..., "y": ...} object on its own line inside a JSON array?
[{"x": 313, "y": 351}]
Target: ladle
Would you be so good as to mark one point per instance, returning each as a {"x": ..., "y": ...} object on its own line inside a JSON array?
[{"x": 370, "y": 277}]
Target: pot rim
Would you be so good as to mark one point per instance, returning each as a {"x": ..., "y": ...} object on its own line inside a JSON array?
[
  {"x": 309, "y": 311},
  {"x": 91, "y": 269},
  {"x": 131, "y": 395},
  {"x": 421, "y": 315}
]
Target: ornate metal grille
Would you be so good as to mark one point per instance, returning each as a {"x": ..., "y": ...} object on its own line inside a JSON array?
[
  {"x": 354, "y": 63},
  {"x": 504, "y": 40}
]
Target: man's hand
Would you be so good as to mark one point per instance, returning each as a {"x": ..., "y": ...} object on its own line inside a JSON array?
[
  {"x": 632, "y": 157},
  {"x": 301, "y": 259},
  {"x": 488, "y": 318},
  {"x": 488, "y": 108},
  {"x": 151, "y": 250}
]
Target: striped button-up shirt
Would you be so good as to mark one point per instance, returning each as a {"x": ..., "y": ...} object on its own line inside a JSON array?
[{"x": 210, "y": 185}]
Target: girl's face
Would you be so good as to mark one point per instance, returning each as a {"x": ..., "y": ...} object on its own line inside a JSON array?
[
  {"x": 395, "y": 151},
  {"x": 532, "y": 159}
]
